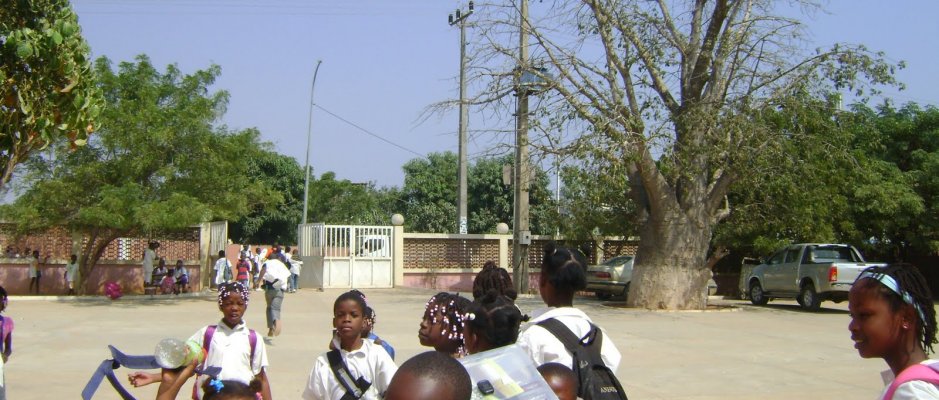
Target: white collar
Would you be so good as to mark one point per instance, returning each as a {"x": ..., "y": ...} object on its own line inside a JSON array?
[
  {"x": 544, "y": 313},
  {"x": 240, "y": 327}
]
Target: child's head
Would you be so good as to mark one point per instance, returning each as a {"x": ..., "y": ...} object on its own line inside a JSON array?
[
  {"x": 162, "y": 262},
  {"x": 179, "y": 264},
  {"x": 349, "y": 317},
  {"x": 493, "y": 277},
  {"x": 442, "y": 325},
  {"x": 562, "y": 275},
  {"x": 3, "y": 299},
  {"x": 891, "y": 312},
  {"x": 491, "y": 321},
  {"x": 36, "y": 253},
  {"x": 430, "y": 376},
  {"x": 221, "y": 254},
  {"x": 230, "y": 390},
  {"x": 232, "y": 302},
  {"x": 73, "y": 259},
  {"x": 561, "y": 379}
]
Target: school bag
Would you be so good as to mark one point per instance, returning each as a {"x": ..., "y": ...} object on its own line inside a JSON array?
[
  {"x": 207, "y": 340},
  {"x": 595, "y": 381},
  {"x": 918, "y": 372},
  {"x": 355, "y": 388}
]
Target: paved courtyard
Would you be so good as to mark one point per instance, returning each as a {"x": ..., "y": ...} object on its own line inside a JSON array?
[{"x": 773, "y": 352}]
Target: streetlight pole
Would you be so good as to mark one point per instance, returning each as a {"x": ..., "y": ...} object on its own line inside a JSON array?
[
  {"x": 522, "y": 236},
  {"x": 460, "y": 18},
  {"x": 309, "y": 131}
]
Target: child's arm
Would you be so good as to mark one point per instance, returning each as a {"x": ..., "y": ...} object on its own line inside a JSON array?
[
  {"x": 265, "y": 385},
  {"x": 141, "y": 378},
  {"x": 175, "y": 381},
  {"x": 7, "y": 347}
]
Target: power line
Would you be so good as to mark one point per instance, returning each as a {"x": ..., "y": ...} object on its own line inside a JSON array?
[{"x": 366, "y": 131}]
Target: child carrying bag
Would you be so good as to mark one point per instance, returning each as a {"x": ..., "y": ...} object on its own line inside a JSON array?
[
  {"x": 918, "y": 372},
  {"x": 355, "y": 388},
  {"x": 595, "y": 381}
]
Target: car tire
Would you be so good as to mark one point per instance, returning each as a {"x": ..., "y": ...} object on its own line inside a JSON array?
[
  {"x": 604, "y": 295},
  {"x": 757, "y": 296},
  {"x": 626, "y": 292},
  {"x": 808, "y": 298}
]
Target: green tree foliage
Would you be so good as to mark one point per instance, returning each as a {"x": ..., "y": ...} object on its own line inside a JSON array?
[
  {"x": 158, "y": 163},
  {"x": 595, "y": 202},
  {"x": 47, "y": 87},
  {"x": 429, "y": 196}
]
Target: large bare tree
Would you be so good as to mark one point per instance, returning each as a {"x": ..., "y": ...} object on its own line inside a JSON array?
[{"x": 671, "y": 90}]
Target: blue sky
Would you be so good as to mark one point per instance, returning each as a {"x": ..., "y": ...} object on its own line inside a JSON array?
[{"x": 385, "y": 61}]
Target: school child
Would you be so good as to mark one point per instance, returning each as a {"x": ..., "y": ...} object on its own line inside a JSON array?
[
  {"x": 222, "y": 269},
  {"x": 562, "y": 275},
  {"x": 182, "y": 277},
  {"x": 493, "y": 277},
  {"x": 361, "y": 365},
  {"x": 442, "y": 325},
  {"x": 491, "y": 321},
  {"x": 168, "y": 283},
  {"x": 244, "y": 269},
  {"x": 431, "y": 375},
  {"x": 561, "y": 379},
  {"x": 71, "y": 270},
  {"x": 34, "y": 273},
  {"x": 892, "y": 317},
  {"x": 6, "y": 341},
  {"x": 229, "y": 345}
]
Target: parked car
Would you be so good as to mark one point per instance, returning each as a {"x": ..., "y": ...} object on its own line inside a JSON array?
[
  {"x": 807, "y": 272},
  {"x": 611, "y": 277}
]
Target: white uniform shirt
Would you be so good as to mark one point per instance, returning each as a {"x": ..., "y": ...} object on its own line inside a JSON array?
[
  {"x": 370, "y": 361},
  {"x": 220, "y": 266},
  {"x": 912, "y": 390},
  {"x": 230, "y": 350},
  {"x": 71, "y": 269},
  {"x": 33, "y": 267},
  {"x": 543, "y": 347},
  {"x": 276, "y": 272}
]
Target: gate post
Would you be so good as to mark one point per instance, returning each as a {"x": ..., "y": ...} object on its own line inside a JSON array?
[{"x": 397, "y": 249}]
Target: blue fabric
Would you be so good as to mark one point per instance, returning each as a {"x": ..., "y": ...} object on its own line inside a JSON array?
[
  {"x": 384, "y": 343},
  {"x": 107, "y": 367}
]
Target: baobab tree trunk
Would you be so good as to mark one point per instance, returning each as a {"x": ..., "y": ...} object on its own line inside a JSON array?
[{"x": 91, "y": 252}]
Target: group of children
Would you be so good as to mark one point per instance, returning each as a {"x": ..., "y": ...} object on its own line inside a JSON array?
[
  {"x": 171, "y": 280},
  {"x": 891, "y": 310},
  {"x": 247, "y": 270}
]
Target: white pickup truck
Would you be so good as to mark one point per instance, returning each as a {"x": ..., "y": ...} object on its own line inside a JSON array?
[{"x": 808, "y": 272}]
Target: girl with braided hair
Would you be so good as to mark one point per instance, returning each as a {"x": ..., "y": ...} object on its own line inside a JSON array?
[
  {"x": 442, "y": 325},
  {"x": 491, "y": 321},
  {"x": 493, "y": 277},
  {"x": 892, "y": 317}
]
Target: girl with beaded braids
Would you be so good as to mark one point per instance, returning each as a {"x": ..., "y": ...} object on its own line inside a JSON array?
[
  {"x": 491, "y": 321},
  {"x": 892, "y": 317},
  {"x": 563, "y": 273},
  {"x": 442, "y": 325},
  {"x": 229, "y": 345}
]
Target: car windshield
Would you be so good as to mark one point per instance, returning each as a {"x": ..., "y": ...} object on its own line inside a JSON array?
[
  {"x": 833, "y": 254},
  {"x": 617, "y": 261}
]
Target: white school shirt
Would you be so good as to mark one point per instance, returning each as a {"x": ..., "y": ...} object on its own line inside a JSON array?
[
  {"x": 544, "y": 347},
  {"x": 219, "y": 268},
  {"x": 33, "y": 267},
  {"x": 912, "y": 390},
  {"x": 370, "y": 361},
  {"x": 276, "y": 273},
  {"x": 230, "y": 350},
  {"x": 70, "y": 270}
]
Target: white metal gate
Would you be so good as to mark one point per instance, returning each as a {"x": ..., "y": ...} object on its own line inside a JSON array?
[{"x": 346, "y": 256}]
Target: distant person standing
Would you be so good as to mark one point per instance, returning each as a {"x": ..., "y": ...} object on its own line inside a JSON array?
[
  {"x": 294, "y": 267},
  {"x": 71, "y": 270},
  {"x": 149, "y": 256},
  {"x": 34, "y": 273},
  {"x": 222, "y": 269}
]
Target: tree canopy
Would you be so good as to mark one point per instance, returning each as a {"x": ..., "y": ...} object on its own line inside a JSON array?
[{"x": 47, "y": 85}]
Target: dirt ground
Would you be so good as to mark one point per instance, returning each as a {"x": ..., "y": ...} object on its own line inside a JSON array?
[{"x": 740, "y": 352}]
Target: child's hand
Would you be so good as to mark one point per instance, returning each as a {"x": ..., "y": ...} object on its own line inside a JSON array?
[{"x": 140, "y": 378}]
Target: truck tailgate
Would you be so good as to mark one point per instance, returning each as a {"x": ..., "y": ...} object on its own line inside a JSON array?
[{"x": 848, "y": 272}]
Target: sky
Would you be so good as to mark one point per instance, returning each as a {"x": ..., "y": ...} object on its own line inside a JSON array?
[{"x": 384, "y": 62}]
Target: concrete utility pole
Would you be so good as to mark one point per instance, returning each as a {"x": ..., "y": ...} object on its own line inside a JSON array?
[
  {"x": 461, "y": 176},
  {"x": 309, "y": 130},
  {"x": 522, "y": 236}
]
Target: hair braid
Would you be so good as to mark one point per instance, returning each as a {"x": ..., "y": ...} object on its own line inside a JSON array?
[
  {"x": 493, "y": 277},
  {"x": 911, "y": 281}
]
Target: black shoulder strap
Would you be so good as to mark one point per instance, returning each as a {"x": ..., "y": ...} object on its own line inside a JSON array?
[
  {"x": 355, "y": 388},
  {"x": 563, "y": 333}
]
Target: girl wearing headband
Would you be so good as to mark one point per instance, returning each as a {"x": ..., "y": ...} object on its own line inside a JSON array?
[{"x": 892, "y": 317}]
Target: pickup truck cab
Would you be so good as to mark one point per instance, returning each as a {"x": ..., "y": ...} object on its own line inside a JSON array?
[{"x": 807, "y": 272}]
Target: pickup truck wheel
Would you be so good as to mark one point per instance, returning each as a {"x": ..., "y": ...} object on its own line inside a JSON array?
[
  {"x": 626, "y": 291},
  {"x": 808, "y": 298},
  {"x": 757, "y": 296}
]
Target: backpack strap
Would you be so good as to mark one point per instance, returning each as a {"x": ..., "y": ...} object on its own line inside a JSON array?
[
  {"x": 355, "y": 388},
  {"x": 253, "y": 342},
  {"x": 3, "y": 339},
  {"x": 917, "y": 372}
]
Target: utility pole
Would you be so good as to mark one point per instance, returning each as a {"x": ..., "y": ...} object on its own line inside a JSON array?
[
  {"x": 460, "y": 18},
  {"x": 522, "y": 236},
  {"x": 309, "y": 130}
]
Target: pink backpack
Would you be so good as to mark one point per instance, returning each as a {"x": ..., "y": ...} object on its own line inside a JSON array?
[{"x": 919, "y": 372}]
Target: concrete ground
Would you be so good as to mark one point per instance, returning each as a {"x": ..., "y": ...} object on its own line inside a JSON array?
[{"x": 772, "y": 352}]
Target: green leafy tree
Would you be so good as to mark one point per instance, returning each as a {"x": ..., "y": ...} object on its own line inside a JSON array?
[
  {"x": 429, "y": 196},
  {"x": 157, "y": 164},
  {"x": 47, "y": 86},
  {"x": 340, "y": 201},
  {"x": 667, "y": 90}
]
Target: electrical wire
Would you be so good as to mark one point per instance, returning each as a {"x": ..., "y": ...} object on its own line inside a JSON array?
[{"x": 366, "y": 131}]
